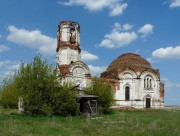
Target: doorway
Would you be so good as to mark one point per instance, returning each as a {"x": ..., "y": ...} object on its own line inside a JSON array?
[{"x": 148, "y": 102}]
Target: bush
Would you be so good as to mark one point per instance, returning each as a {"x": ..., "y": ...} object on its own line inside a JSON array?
[
  {"x": 104, "y": 92},
  {"x": 64, "y": 101},
  {"x": 35, "y": 82},
  {"x": 38, "y": 85},
  {"x": 8, "y": 93}
]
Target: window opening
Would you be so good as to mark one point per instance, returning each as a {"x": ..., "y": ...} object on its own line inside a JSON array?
[{"x": 127, "y": 93}]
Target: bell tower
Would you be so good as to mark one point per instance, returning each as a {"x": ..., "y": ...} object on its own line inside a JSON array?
[
  {"x": 68, "y": 55},
  {"x": 68, "y": 43}
]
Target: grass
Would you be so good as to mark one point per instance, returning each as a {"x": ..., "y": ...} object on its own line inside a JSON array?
[{"x": 119, "y": 123}]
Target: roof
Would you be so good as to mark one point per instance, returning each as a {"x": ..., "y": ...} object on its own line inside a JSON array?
[
  {"x": 128, "y": 61},
  {"x": 87, "y": 97}
]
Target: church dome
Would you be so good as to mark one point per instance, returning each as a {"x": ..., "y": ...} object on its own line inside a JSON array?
[{"x": 128, "y": 61}]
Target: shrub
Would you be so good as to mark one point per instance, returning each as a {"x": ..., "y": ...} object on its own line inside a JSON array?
[
  {"x": 64, "y": 101},
  {"x": 38, "y": 85},
  {"x": 35, "y": 82},
  {"x": 8, "y": 93},
  {"x": 104, "y": 91}
]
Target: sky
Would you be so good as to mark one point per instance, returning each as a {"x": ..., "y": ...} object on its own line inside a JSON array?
[{"x": 109, "y": 28}]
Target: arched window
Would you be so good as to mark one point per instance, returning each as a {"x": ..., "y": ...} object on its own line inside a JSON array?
[
  {"x": 148, "y": 82},
  {"x": 127, "y": 93},
  {"x": 144, "y": 83},
  {"x": 72, "y": 34}
]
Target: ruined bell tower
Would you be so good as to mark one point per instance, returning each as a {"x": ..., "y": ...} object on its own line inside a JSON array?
[
  {"x": 68, "y": 54},
  {"x": 68, "y": 43}
]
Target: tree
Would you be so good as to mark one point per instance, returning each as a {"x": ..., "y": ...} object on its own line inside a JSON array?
[
  {"x": 8, "y": 92},
  {"x": 104, "y": 91},
  {"x": 37, "y": 83},
  {"x": 64, "y": 100}
]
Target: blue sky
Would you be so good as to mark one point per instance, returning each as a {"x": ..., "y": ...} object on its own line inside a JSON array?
[{"x": 109, "y": 28}]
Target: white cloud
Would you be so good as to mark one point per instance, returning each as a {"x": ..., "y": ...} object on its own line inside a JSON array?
[
  {"x": 117, "y": 9},
  {"x": 137, "y": 51},
  {"x": 117, "y": 38},
  {"x": 32, "y": 39},
  {"x": 169, "y": 84},
  {"x": 86, "y": 56},
  {"x": 3, "y": 63},
  {"x": 146, "y": 30},
  {"x": 95, "y": 71},
  {"x": 9, "y": 64},
  {"x": 13, "y": 66},
  {"x": 8, "y": 67},
  {"x": 178, "y": 85},
  {"x": 174, "y": 3},
  {"x": 151, "y": 60},
  {"x": 119, "y": 27},
  {"x": 166, "y": 53},
  {"x": 3, "y": 48},
  {"x": 127, "y": 27},
  {"x": 115, "y": 6}
]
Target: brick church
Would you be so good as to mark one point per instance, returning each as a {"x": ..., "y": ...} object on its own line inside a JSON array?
[{"x": 135, "y": 82}]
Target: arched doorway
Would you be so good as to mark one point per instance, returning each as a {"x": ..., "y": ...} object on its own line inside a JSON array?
[{"x": 148, "y": 101}]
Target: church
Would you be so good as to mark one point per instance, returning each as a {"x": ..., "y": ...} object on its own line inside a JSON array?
[{"x": 136, "y": 84}]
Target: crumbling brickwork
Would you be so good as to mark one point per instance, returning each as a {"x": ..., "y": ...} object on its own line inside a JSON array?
[
  {"x": 161, "y": 90},
  {"x": 128, "y": 61},
  {"x": 68, "y": 54}
]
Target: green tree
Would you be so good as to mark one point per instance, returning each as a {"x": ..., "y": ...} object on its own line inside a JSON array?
[
  {"x": 37, "y": 83},
  {"x": 64, "y": 100},
  {"x": 8, "y": 93},
  {"x": 104, "y": 91}
]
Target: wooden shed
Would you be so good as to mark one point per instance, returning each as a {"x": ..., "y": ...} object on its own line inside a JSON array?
[{"x": 88, "y": 104}]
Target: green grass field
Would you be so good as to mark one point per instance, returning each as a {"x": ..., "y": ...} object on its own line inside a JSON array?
[{"x": 119, "y": 123}]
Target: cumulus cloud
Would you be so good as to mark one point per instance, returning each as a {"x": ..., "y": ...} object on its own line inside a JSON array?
[
  {"x": 3, "y": 48},
  {"x": 174, "y": 3},
  {"x": 119, "y": 27},
  {"x": 127, "y": 27},
  {"x": 169, "y": 84},
  {"x": 137, "y": 51},
  {"x": 32, "y": 39},
  {"x": 146, "y": 30},
  {"x": 118, "y": 37},
  {"x": 178, "y": 85},
  {"x": 9, "y": 64},
  {"x": 95, "y": 71},
  {"x": 86, "y": 56},
  {"x": 166, "y": 53},
  {"x": 117, "y": 9},
  {"x": 8, "y": 67},
  {"x": 115, "y": 6}
]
